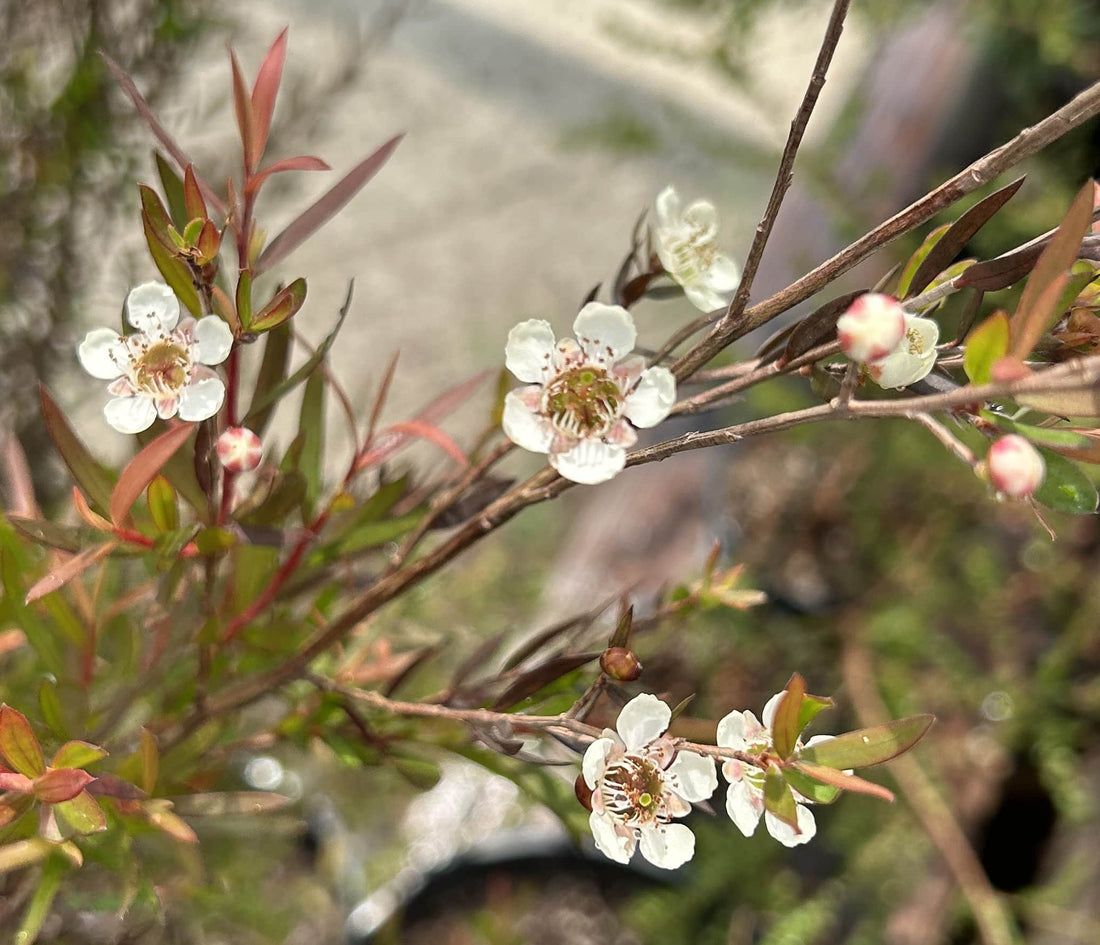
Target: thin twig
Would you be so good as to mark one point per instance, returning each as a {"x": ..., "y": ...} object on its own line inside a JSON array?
[
  {"x": 785, "y": 175},
  {"x": 1028, "y": 142},
  {"x": 947, "y": 438}
]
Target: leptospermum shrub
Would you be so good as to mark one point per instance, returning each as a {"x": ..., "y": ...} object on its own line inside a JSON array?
[{"x": 213, "y": 570}]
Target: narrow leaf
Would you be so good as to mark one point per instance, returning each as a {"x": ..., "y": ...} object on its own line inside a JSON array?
[
  {"x": 530, "y": 682},
  {"x": 243, "y": 299},
  {"x": 914, "y": 262},
  {"x": 778, "y": 799},
  {"x": 1039, "y": 296},
  {"x": 18, "y": 745},
  {"x": 957, "y": 236},
  {"x": 157, "y": 128},
  {"x": 810, "y": 788},
  {"x": 24, "y": 853},
  {"x": 175, "y": 271},
  {"x": 172, "y": 184},
  {"x": 311, "y": 430},
  {"x": 59, "y": 576},
  {"x": 139, "y": 472},
  {"x": 819, "y": 326},
  {"x": 868, "y": 746},
  {"x": 163, "y": 506},
  {"x": 193, "y": 202},
  {"x": 302, "y": 163},
  {"x": 273, "y": 368},
  {"x": 394, "y": 437},
  {"x": 71, "y": 538},
  {"x": 323, "y": 209},
  {"x": 242, "y": 108},
  {"x": 845, "y": 782},
  {"x": 283, "y": 306},
  {"x": 986, "y": 345},
  {"x": 264, "y": 92},
  {"x": 93, "y": 479}
]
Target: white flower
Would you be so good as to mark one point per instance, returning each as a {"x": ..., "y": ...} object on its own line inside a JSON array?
[
  {"x": 639, "y": 783},
  {"x": 1015, "y": 467},
  {"x": 912, "y": 359},
  {"x": 159, "y": 369},
  {"x": 871, "y": 328},
  {"x": 582, "y": 393},
  {"x": 745, "y": 797},
  {"x": 687, "y": 248}
]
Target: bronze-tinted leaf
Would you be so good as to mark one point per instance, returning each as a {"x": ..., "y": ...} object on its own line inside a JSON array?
[
  {"x": 264, "y": 92},
  {"x": 530, "y": 682},
  {"x": 139, "y": 472},
  {"x": 92, "y": 478},
  {"x": 61, "y": 574},
  {"x": 19, "y": 747},
  {"x": 846, "y": 782},
  {"x": 819, "y": 326}
]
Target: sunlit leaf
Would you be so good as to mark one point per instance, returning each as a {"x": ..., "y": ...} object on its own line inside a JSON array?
[
  {"x": 868, "y": 746},
  {"x": 18, "y": 745},
  {"x": 914, "y": 262},
  {"x": 809, "y": 788},
  {"x": 1066, "y": 487},
  {"x": 82, "y": 814},
  {"x": 778, "y": 799},
  {"x": 77, "y": 754},
  {"x": 24, "y": 853},
  {"x": 840, "y": 780},
  {"x": 986, "y": 345}
]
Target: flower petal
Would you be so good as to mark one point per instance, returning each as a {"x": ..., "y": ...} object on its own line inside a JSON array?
[
  {"x": 595, "y": 757},
  {"x": 523, "y": 426},
  {"x": 649, "y": 403},
  {"x": 702, "y": 217},
  {"x": 214, "y": 340},
  {"x": 693, "y": 776},
  {"x": 609, "y": 841},
  {"x": 622, "y": 434},
  {"x": 745, "y": 804},
  {"x": 166, "y": 407},
  {"x": 668, "y": 208},
  {"x": 641, "y": 720},
  {"x": 770, "y": 708},
  {"x": 529, "y": 350},
  {"x": 201, "y": 400},
  {"x": 667, "y": 845},
  {"x": 605, "y": 332},
  {"x": 914, "y": 357},
  {"x": 784, "y": 832},
  {"x": 703, "y": 297},
  {"x": 731, "y": 732},
  {"x": 152, "y": 305},
  {"x": 101, "y": 352},
  {"x": 590, "y": 462},
  {"x": 130, "y": 414},
  {"x": 724, "y": 274}
]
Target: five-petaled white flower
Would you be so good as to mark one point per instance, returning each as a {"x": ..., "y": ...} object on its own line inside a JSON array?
[
  {"x": 159, "y": 370},
  {"x": 912, "y": 359},
  {"x": 686, "y": 244},
  {"x": 745, "y": 797},
  {"x": 582, "y": 393},
  {"x": 640, "y": 782}
]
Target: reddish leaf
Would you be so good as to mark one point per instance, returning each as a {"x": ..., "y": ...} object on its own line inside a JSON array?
[
  {"x": 193, "y": 201},
  {"x": 157, "y": 128},
  {"x": 73, "y": 567},
  {"x": 1032, "y": 318},
  {"x": 242, "y": 107},
  {"x": 12, "y": 781},
  {"x": 18, "y": 745},
  {"x": 60, "y": 784},
  {"x": 173, "y": 825},
  {"x": 283, "y": 306},
  {"x": 540, "y": 676},
  {"x": 139, "y": 472},
  {"x": 846, "y": 782},
  {"x": 819, "y": 326},
  {"x": 265, "y": 91},
  {"x": 392, "y": 438},
  {"x": 92, "y": 478},
  {"x": 310, "y": 220},
  {"x": 303, "y": 163},
  {"x": 110, "y": 785}
]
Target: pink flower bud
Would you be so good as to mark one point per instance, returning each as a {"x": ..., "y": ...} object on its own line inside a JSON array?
[
  {"x": 239, "y": 449},
  {"x": 872, "y": 328},
  {"x": 1015, "y": 467}
]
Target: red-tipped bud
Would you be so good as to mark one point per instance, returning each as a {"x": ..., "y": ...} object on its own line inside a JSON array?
[
  {"x": 1015, "y": 467},
  {"x": 583, "y": 792},
  {"x": 239, "y": 449},
  {"x": 620, "y": 664},
  {"x": 872, "y": 327}
]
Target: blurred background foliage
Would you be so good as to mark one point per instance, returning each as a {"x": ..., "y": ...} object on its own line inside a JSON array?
[{"x": 877, "y": 549}]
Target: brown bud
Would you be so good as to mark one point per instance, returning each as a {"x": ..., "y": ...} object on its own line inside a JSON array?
[
  {"x": 583, "y": 792},
  {"x": 620, "y": 663}
]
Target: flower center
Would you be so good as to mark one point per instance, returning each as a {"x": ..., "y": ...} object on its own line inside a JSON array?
[
  {"x": 916, "y": 343},
  {"x": 632, "y": 790},
  {"x": 584, "y": 401},
  {"x": 162, "y": 369},
  {"x": 693, "y": 254}
]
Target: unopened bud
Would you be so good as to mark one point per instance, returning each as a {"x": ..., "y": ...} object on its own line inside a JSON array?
[
  {"x": 620, "y": 664},
  {"x": 239, "y": 449},
  {"x": 583, "y": 792},
  {"x": 872, "y": 327},
  {"x": 1015, "y": 467}
]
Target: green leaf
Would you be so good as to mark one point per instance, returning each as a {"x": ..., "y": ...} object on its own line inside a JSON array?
[
  {"x": 283, "y": 306},
  {"x": 244, "y": 299},
  {"x": 162, "y": 504},
  {"x": 77, "y": 754},
  {"x": 1053, "y": 437},
  {"x": 24, "y": 853},
  {"x": 778, "y": 799},
  {"x": 71, "y": 538},
  {"x": 93, "y": 479},
  {"x": 278, "y": 391},
  {"x": 868, "y": 746},
  {"x": 273, "y": 368},
  {"x": 906, "y": 278},
  {"x": 814, "y": 790},
  {"x": 1066, "y": 487},
  {"x": 172, "y": 184},
  {"x": 986, "y": 345},
  {"x": 311, "y": 430},
  {"x": 812, "y": 706},
  {"x": 421, "y": 773},
  {"x": 49, "y": 703},
  {"x": 842, "y": 780},
  {"x": 18, "y": 745},
  {"x": 42, "y": 637},
  {"x": 81, "y": 815},
  {"x": 785, "y": 728},
  {"x": 175, "y": 271}
]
